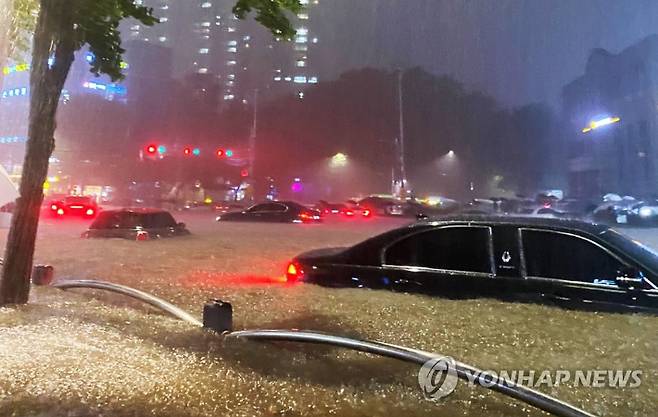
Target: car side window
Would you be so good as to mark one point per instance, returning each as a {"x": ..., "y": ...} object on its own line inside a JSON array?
[
  {"x": 264, "y": 207},
  {"x": 450, "y": 248},
  {"x": 104, "y": 221},
  {"x": 563, "y": 256}
]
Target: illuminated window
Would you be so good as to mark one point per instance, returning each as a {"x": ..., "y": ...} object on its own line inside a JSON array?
[
  {"x": 277, "y": 78},
  {"x": 232, "y": 43},
  {"x": 300, "y": 79},
  {"x": 302, "y": 31},
  {"x": 301, "y": 39},
  {"x": 231, "y": 76},
  {"x": 301, "y": 48},
  {"x": 303, "y": 16},
  {"x": 301, "y": 63},
  {"x": 203, "y": 51},
  {"x": 313, "y": 80},
  {"x": 203, "y": 70},
  {"x": 206, "y": 5},
  {"x": 162, "y": 38},
  {"x": 231, "y": 30},
  {"x": 205, "y": 24},
  {"x": 134, "y": 27},
  {"x": 232, "y": 49},
  {"x": 315, "y": 40},
  {"x": 229, "y": 97},
  {"x": 164, "y": 19},
  {"x": 246, "y": 38},
  {"x": 231, "y": 62},
  {"x": 165, "y": 7}
]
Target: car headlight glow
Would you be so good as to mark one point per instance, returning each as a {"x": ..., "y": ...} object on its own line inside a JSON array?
[{"x": 646, "y": 212}]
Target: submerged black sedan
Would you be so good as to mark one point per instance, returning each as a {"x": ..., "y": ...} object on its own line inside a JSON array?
[
  {"x": 569, "y": 263},
  {"x": 137, "y": 224},
  {"x": 274, "y": 212}
]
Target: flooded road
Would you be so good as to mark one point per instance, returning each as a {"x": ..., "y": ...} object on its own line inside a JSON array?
[{"x": 85, "y": 353}]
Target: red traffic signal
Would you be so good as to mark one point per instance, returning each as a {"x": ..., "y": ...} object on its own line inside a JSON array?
[
  {"x": 220, "y": 153},
  {"x": 151, "y": 149},
  {"x": 187, "y": 151}
]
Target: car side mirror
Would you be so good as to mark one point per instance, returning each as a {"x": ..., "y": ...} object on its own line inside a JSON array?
[{"x": 629, "y": 278}]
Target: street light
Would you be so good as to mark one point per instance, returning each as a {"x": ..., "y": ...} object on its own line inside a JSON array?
[
  {"x": 339, "y": 160},
  {"x": 595, "y": 124},
  {"x": 451, "y": 154}
]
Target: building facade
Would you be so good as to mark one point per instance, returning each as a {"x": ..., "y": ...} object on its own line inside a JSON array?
[{"x": 612, "y": 113}]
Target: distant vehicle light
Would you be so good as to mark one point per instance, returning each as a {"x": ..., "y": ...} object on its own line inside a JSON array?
[
  {"x": 366, "y": 213},
  {"x": 60, "y": 211},
  {"x": 646, "y": 212},
  {"x": 348, "y": 213},
  {"x": 207, "y": 200},
  {"x": 54, "y": 207},
  {"x": 90, "y": 212},
  {"x": 142, "y": 236}
]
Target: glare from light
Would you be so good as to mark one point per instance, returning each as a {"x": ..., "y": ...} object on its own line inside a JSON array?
[
  {"x": 339, "y": 160},
  {"x": 595, "y": 124},
  {"x": 646, "y": 212},
  {"x": 451, "y": 154}
]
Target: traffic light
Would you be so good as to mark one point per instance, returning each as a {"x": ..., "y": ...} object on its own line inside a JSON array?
[
  {"x": 151, "y": 149},
  {"x": 162, "y": 149},
  {"x": 228, "y": 153},
  {"x": 196, "y": 151},
  {"x": 187, "y": 151},
  {"x": 220, "y": 153}
]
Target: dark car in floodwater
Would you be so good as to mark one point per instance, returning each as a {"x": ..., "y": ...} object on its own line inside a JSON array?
[
  {"x": 565, "y": 262},
  {"x": 274, "y": 212},
  {"x": 136, "y": 224}
]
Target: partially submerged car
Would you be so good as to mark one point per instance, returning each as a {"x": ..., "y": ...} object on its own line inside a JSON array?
[
  {"x": 73, "y": 205},
  {"x": 565, "y": 262},
  {"x": 136, "y": 224},
  {"x": 274, "y": 212}
]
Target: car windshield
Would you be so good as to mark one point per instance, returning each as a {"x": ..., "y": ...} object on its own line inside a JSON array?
[
  {"x": 77, "y": 200},
  {"x": 458, "y": 182}
]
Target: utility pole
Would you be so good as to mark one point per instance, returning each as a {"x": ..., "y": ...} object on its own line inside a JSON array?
[
  {"x": 252, "y": 140},
  {"x": 401, "y": 181}
]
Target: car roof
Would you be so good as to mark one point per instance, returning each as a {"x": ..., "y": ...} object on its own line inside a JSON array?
[
  {"x": 137, "y": 210},
  {"x": 557, "y": 223}
]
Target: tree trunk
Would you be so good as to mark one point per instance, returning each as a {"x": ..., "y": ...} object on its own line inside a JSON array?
[{"x": 53, "y": 38}]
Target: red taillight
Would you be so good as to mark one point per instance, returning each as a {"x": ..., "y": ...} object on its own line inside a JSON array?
[
  {"x": 366, "y": 213},
  {"x": 294, "y": 272},
  {"x": 142, "y": 235},
  {"x": 53, "y": 207},
  {"x": 348, "y": 213},
  {"x": 60, "y": 212},
  {"x": 90, "y": 212}
]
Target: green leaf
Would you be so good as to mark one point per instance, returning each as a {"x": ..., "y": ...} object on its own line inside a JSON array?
[{"x": 271, "y": 14}]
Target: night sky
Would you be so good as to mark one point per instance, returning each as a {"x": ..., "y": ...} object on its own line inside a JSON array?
[{"x": 517, "y": 50}]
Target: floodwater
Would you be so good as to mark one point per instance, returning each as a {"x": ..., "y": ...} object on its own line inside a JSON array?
[{"x": 87, "y": 353}]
